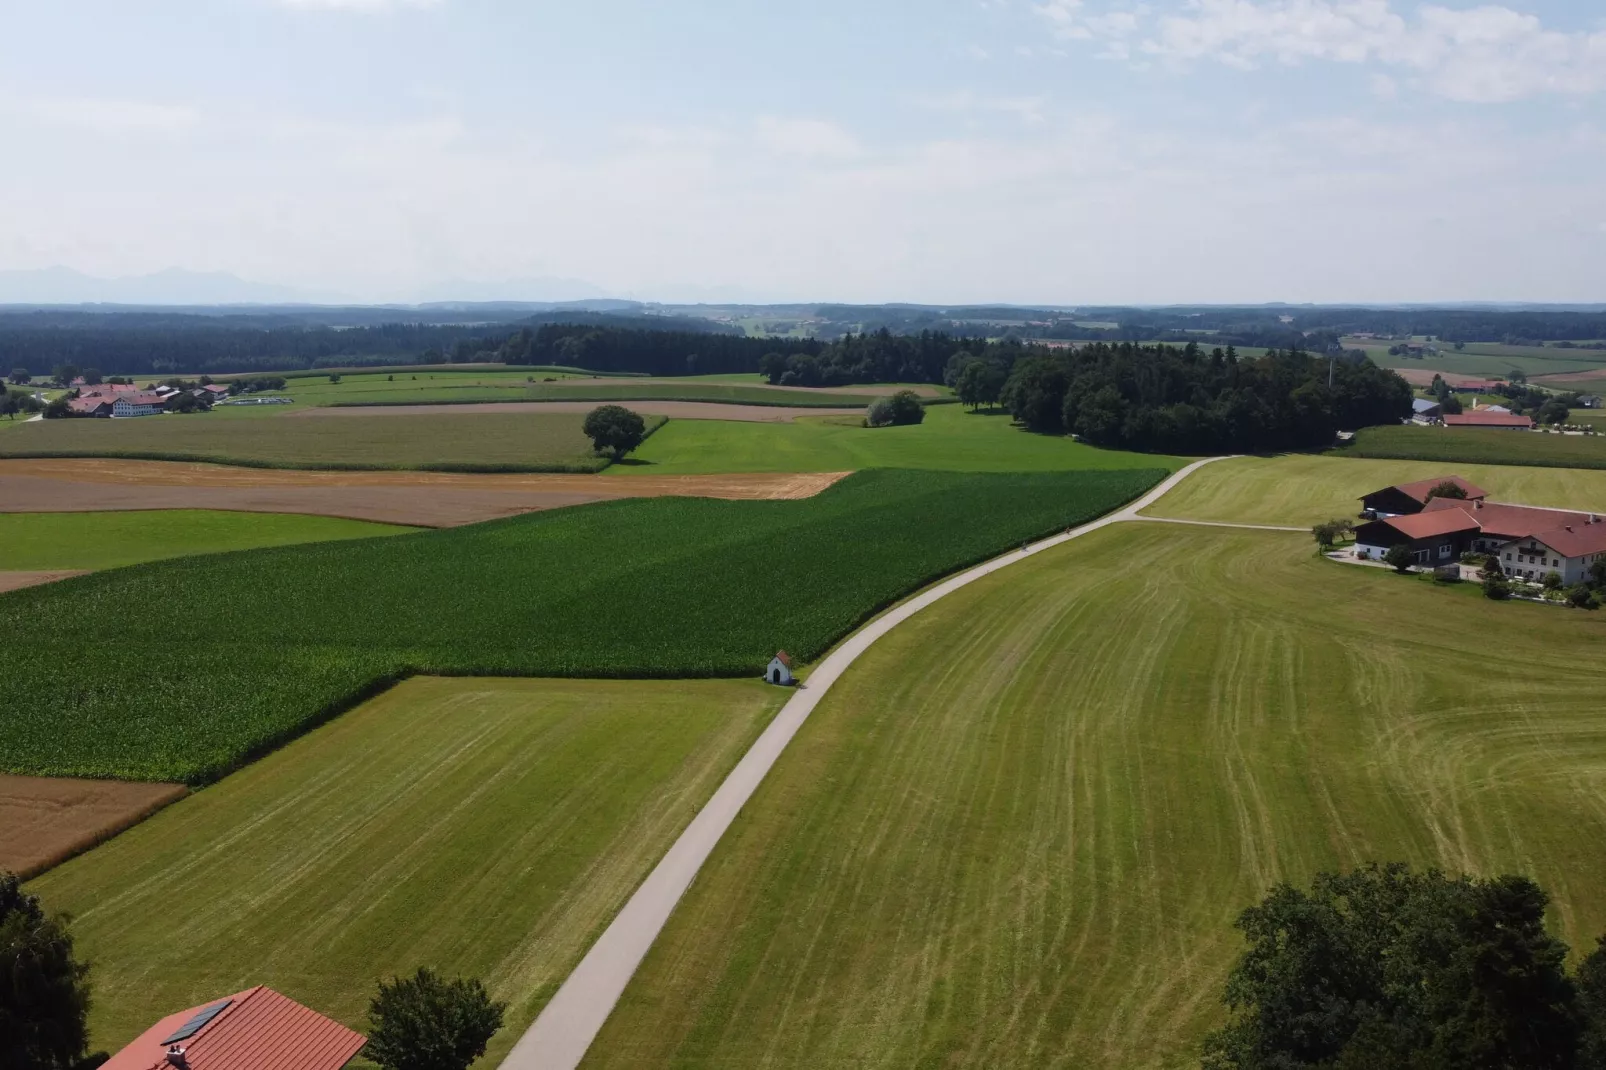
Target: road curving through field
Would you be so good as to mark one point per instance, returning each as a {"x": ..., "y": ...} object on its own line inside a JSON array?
[{"x": 569, "y": 1023}]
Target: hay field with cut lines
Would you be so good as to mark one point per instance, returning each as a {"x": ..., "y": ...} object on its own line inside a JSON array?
[
  {"x": 484, "y": 827},
  {"x": 1301, "y": 489},
  {"x": 1017, "y": 832}
]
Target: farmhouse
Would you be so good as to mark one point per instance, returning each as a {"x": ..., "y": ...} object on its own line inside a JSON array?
[
  {"x": 93, "y": 406},
  {"x": 1410, "y": 498},
  {"x": 1505, "y": 421},
  {"x": 139, "y": 405},
  {"x": 251, "y": 1030},
  {"x": 1425, "y": 409},
  {"x": 779, "y": 670},
  {"x": 1531, "y": 542},
  {"x": 1590, "y": 401}
]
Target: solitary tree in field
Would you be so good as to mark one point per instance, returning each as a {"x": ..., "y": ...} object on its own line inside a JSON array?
[
  {"x": 425, "y": 1023},
  {"x": 614, "y": 429},
  {"x": 44, "y": 991},
  {"x": 1399, "y": 557}
]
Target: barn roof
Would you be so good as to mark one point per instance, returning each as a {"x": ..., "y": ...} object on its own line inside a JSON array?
[
  {"x": 1499, "y": 520},
  {"x": 1485, "y": 418},
  {"x": 1426, "y": 525},
  {"x": 257, "y": 1029},
  {"x": 1420, "y": 490}
]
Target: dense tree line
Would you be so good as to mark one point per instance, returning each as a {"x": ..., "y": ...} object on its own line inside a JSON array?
[
  {"x": 634, "y": 349},
  {"x": 158, "y": 344},
  {"x": 1184, "y": 400},
  {"x": 876, "y": 357}
]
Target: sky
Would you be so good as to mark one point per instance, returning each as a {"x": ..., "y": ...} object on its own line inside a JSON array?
[{"x": 943, "y": 151}]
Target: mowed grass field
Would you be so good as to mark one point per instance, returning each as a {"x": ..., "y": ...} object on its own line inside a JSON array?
[
  {"x": 110, "y": 540},
  {"x": 1300, "y": 489},
  {"x": 487, "y": 828},
  {"x": 535, "y": 442},
  {"x": 1488, "y": 358},
  {"x": 1017, "y": 832},
  {"x": 1480, "y": 445},
  {"x": 950, "y": 439}
]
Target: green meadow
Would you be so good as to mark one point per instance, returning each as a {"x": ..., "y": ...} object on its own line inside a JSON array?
[
  {"x": 1480, "y": 445},
  {"x": 41, "y": 541},
  {"x": 950, "y": 439},
  {"x": 1017, "y": 832},
  {"x": 488, "y": 828}
]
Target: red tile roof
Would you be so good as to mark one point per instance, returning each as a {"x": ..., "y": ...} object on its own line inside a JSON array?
[
  {"x": 143, "y": 399},
  {"x": 87, "y": 404},
  {"x": 1418, "y": 491},
  {"x": 1575, "y": 540},
  {"x": 1502, "y": 521},
  {"x": 1482, "y": 418},
  {"x": 1426, "y": 525},
  {"x": 784, "y": 659},
  {"x": 259, "y": 1030}
]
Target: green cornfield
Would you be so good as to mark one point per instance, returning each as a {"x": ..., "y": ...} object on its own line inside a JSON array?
[{"x": 185, "y": 669}]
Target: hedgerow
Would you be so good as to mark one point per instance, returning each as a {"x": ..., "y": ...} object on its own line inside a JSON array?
[{"x": 183, "y": 670}]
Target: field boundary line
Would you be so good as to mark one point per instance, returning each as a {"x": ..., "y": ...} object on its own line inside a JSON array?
[{"x": 562, "y": 1034}]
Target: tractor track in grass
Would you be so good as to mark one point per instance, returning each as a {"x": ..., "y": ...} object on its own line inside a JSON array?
[{"x": 566, "y": 1027}]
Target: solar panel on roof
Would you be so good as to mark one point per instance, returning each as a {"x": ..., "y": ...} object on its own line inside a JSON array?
[{"x": 197, "y": 1022}]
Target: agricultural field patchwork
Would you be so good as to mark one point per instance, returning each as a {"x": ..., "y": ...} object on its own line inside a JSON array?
[
  {"x": 1301, "y": 489},
  {"x": 665, "y": 587},
  {"x": 1488, "y": 359},
  {"x": 1017, "y": 832},
  {"x": 483, "y": 827},
  {"x": 512, "y": 442},
  {"x": 39, "y": 541},
  {"x": 1480, "y": 446},
  {"x": 950, "y": 439}
]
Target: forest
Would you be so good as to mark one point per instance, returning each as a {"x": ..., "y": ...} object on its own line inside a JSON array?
[{"x": 1184, "y": 400}]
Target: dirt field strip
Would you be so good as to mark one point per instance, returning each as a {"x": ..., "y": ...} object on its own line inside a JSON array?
[
  {"x": 566, "y": 1027},
  {"x": 682, "y": 410},
  {"x": 428, "y": 499},
  {"x": 17, "y": 580},
  {"x": 46, "y": 820}
]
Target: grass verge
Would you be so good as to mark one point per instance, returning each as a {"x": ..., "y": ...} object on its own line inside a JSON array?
[
  {"x": 488, "y": 828},
  {"x": 663, "y": 587},
  {"x": 1016, "y": 833}
]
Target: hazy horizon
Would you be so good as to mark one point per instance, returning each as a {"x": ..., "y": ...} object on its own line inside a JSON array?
[{"x": 1046, "y": 152}]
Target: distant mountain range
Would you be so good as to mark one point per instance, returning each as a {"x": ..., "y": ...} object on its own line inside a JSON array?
[{"x": 173, "y": 286}]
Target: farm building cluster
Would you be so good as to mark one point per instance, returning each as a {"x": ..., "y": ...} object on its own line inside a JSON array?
[
  {"x": 1441, "y": 519},
  {"x": 126, "y": 399}
]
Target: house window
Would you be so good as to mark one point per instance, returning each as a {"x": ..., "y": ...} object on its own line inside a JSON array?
[
  {"x": 1554, "y": 563},
  {"x": 1444, "y": 551},
  {"x": 1508, "y": 557}
]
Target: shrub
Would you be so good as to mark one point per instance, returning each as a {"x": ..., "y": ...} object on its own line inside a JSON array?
[
  {"x": 1495, "y": 586},
  {"x": 1552, "y": 581},
  {"x": 878, "y": 413},
  {"x": 1399, "y": 557}
]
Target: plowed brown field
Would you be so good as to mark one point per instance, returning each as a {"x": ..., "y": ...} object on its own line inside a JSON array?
[
  {"x": 430, "y": 499},
  {"x": 13, "y": 580},
  {"x": 46, "y": 820}
]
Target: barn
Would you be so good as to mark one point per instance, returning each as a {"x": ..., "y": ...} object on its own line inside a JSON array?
[{"x": 1408, "y": 499}]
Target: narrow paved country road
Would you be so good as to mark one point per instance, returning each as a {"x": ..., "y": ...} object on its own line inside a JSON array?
[{"x": 561, "y": 1035}]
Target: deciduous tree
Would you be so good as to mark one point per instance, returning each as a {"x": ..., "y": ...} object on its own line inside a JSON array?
[
  {"x": 614, "y": 429},
  {"x": 426, "y": 1023},
  {"x": 44, "y": 990},
  {"x": 1399, "y": 557}
]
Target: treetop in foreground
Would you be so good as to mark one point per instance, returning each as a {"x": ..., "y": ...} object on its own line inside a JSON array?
[
  {"x": 423, "y": 1022},
  {"x": 1390, "y": 969}
]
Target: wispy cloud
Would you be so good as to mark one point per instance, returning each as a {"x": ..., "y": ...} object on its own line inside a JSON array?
[
  {"x": 813, "y": 138},
  {"x": 1483, "y": 55}
]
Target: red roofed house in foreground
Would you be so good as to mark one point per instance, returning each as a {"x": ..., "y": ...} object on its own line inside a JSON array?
[
  {"x": 257, "y": 1029},
  {"x": 1483, "y": 418}
]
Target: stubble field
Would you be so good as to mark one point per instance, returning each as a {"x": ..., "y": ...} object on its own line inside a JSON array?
[{"x": 1017, "y": 832}]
